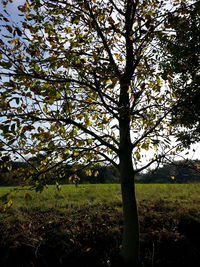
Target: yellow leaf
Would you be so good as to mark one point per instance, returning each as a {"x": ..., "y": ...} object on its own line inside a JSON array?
[
  {"x": 15, "y": 41},
  {"x": 129, "y": 90},
  {"x": 60, "y": 157},
  {"x": 45, "y": 108},
  {"x": 7, "y": 205},
  {"x": 145, "y": 146},
  {"x": 89, "y": 123},
  {"x": 197, "y": 165},
  {"x": 88, "y": 172},
  {"x": 96, "y": 173}
]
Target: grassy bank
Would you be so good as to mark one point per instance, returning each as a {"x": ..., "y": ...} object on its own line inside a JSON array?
[{"x": 83, "y": 226}]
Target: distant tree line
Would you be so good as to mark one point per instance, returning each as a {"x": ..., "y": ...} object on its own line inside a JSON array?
[
  {"x": 9, "y": 176},
  {"x": 175, "y": 172}
]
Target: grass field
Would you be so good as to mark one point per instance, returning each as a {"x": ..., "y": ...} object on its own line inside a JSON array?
[
  {"x": 184, "y": 195},
  {"x": 68, "y": 227}
]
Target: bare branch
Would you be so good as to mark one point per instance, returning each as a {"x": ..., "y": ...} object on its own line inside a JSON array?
[{"x": 157, "y": 159}]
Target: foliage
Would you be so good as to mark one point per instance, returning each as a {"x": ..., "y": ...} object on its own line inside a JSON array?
[
  {"x": 62, "y": 95},
  {"x": 186, "y": 171},
  {"x": 63, "y": 175},
  {"x": 181, "y": 64}
]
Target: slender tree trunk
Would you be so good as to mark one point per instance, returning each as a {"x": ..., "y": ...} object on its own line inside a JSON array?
[{"x": 130, "y": 243}]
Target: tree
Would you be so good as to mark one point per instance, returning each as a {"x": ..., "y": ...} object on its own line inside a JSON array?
[
  {"x": 183, "y": 171},
  {"x": 81, "y": 84},
  {"x": 181, "y": 54}
]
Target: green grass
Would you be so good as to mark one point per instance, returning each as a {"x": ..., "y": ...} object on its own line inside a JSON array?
[
  {"x": 186, "y": 195},
  {"x": 69, "y": 197}
]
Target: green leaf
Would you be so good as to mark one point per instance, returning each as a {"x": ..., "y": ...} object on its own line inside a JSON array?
[
  {"x": 138, "y": 156},
  {"x": 6, "y": 65}
]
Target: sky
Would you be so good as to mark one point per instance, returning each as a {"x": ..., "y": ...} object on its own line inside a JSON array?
[{"x": 12, "y": 8}]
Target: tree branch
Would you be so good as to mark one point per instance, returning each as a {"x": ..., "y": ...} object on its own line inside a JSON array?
[
  {"x": 15, "y": 151},
  {"x": 100, "y": 33},
  {"x": 150, "y": 130},
  {"x": 78, "y": 125},
  {"x": 118, "y": 9},
  {"x": 149, "y": 164}
]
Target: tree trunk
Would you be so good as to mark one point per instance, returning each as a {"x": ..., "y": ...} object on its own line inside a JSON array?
[{"x": 130, "y": 243}]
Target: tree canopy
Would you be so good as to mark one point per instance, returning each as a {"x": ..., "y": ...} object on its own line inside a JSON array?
[
  {"x": 63, "y": 69},
  {"x": 181, "y": 63}
]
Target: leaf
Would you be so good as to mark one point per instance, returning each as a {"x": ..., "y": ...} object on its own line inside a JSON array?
[
  {"x": 5, "y": 19},
  {"x": 45, "y": 109},
  {"x": 9, "y": 28},
  {"x": 76, "y": 154},
  {"x": 96, "y": 173},
  {"x": 6, "y": 65},
  {"x": 13, "y": 128},
  {"x": 8, "y": 84},
  {"x": 88, "y": 172},
  {"x": 145, "y": 146},
  {"x": 7, "y": 205},
  {"x": 5, "y": 128},
  {"x": 88, "y": 123},
  {"x": 197, "y": 165},
  {"x": 89, "y": 141},
  {"x": 138, "y": 156},
  {"x": 50, "y": 101},
  {"x": 17, "y": 100},
  {"x": 15, "y": 41},
  {"x": 23, "y": 105},
  {"x": 19, "y": 32}
]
